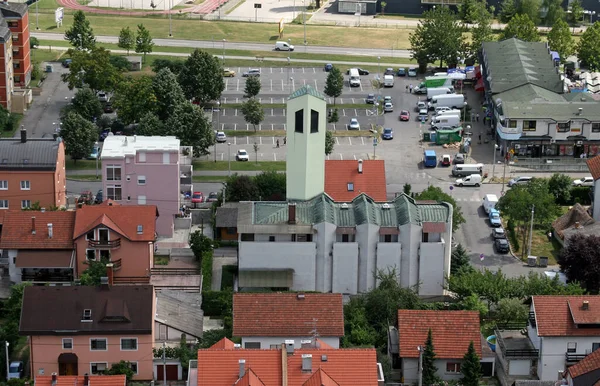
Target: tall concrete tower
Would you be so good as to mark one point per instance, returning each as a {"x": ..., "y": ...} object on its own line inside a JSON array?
[{"x": 306, "y": 125}]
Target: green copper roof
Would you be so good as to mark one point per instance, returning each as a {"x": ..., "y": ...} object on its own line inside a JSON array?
[{"x": 304, "y": 90}]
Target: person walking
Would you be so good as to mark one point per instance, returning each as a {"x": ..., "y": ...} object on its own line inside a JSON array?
[
  {"x": 406, "y": 88},
  {"x": 277, "y": 143},
  {"x": 411, "y": 88},
  {"x": 284, "y": 140},
  {"x": 479, "y": 137},
  {"x": 477, "y": 116}
]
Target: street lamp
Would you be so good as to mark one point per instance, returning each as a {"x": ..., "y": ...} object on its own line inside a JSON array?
[
  {"x": 217, "y": 130},
  {"x": 494, "y": 165},
  {"x": 7, "y": 360},
  {"x": 303, "y": 20},
  {"x": 97, "y": 148},
  {"x": 224, "y": 40},
  {"x": 291, "y": 84},
  {"x": 170, "y": 23},
  {"x": 289, "y": 63},
  {"x": 229, "y": 159}
]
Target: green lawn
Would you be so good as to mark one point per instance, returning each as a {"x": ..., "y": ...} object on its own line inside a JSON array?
[
  {"x": 83, "y": 177},
  {"x": 209, "y": 178},
  {"x": 240, "y": 166},
  {"x": 81, "y": 164},
  {"x": 540, "y": 246}
]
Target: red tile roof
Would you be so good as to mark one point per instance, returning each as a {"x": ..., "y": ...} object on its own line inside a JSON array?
[
  {"x": 74, "y": 380},
  {"x": 249, "y": 379},
  {"x": 434, "y": 227},
  {"x": 320, "y": 378},
  {"x": 554, "y": 316},
  {"x": 17, "y": 230},
  {"x": 452, "y": 332},
  {"x": 586, "y": 365},
  {"x": 371, "y": 181},
  {"x": 594, "y": 166},
  {"x": 287, "y": 314},
  {"x": 223, "y": 344},
  {"x": 581, "y": 311},
  {"x": 342, "y": 367},
  {"x": 123, "y": 219}
]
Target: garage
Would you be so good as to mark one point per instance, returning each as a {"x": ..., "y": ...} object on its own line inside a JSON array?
[{"x": 172, "y": 372}]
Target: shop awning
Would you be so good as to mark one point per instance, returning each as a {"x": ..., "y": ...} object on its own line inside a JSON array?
[
  {"x": 266, "y": 278},
  {"x": 479, "y": 86},
  {"x": 44, "y": 259}
]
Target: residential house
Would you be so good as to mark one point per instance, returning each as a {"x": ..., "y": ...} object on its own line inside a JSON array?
[
  {"x": 530, "y": 109},
  {"x": 594, "y": 167},
  {"x": 81, "y": 380},
  {"x": 565, "y": 329},
  {"x": 84, "y": 330},
  {"x": 123, "y": 235},
  {"x": 314, "y": 243},
  {"x": 32, "y": 170},
  {"x": 586, "y": 372},
  {"x": 575, "y": 221},
  {"x": 346, "y": 180},
  {"x": 178, "y": 314},
  {"x": 266, "y": 320},
  {"x": 38, "y": 246},
  {"x": 452, "y": 332},
  {"x": 226, "y": 222},
  {"x": 140, "y": 170},
  {"x": 218, "y": 366}
]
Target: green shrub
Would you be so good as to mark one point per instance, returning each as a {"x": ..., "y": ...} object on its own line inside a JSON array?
[
  {"x": 581, "y": 195},
  {"x": 514, "y": 240},
  {"x": 217, "y": 303},
  {"x": 207, "y": 260}
]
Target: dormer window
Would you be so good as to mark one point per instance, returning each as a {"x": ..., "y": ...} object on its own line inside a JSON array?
[
  {"x": 87, "y": 314},
  {"x": 351, "y": 186},
  {"x": 140, "y": 229}
]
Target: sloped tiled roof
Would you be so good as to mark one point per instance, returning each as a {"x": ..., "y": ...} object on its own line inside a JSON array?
[
  {"x": 452, "y": 331},
  {"x": 307, "y": 90},
  {"x": 17, "y": 230},
  {"x": 320, "y": 378},
  {"x": 123, "y": 219},
  {"x": 180, "y": 310},
  {"x": 13, "y": 9},
  {"x": 594, "y": 166},
  {"x": 338, "y": 174},
  {"x": 249, "y": 379},
  {"x": 554, "y": 316},
  {"x": 74, "y": 380},
  {"x": 588, "y": 364},
  {"x": 223, "y": 344},
  {"x": 287, "y": 314},
  {"x": 35, "y": 154},
  {"x": 577, "y": 214}
]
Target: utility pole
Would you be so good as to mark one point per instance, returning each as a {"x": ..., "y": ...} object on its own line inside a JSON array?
[
  {"x": 170, "y": 22},
  {"x": 504, "y": 173},
  {"x": 420, "y": 369},
  {"x": 7, "y": 360},
  {"x": 531, "y": 230},
  {"x": 164, "y": 358}
]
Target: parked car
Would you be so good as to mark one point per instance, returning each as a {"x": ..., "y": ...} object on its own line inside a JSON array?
[
  {"x": 328, "y": 67},
  {"x": 103, "y": 135},
  {"x": 470, "y": 180},
  {"x": 242, "y": 155},
  {"x": 86, "y": 198},
  {"x": 401, "y": 71},
  {"x": 67, "y": 63},
  {"x": 228, "y": 73},
  {"x": 99, "y": 197},
  {"x": 197, "y": 198},
  {"x": 354, "y": 125},
  {"x": 494, "y": 217},
  {"x": 404, "y": 115},
  {"x": 387, "y": 99},
  {"x": 95, "y": 153},
  {"x": 446, "y": 160},
  {"x": 212, "y": 197},
  {"x": 108, "y": 108},
  {"x": 388, "y": 133},
  {"x": 102, "y": 96},
  {"x": 221, "y": 137},
  {"x": 251, "y": 72},
  {"x": 412, "y": 72},
  {"x": 16, "y": 370},
  {"x": 501, "y": 246},
  {"x": 360, "y": 71},
  {"x": 423, "y": 115},
  {"x": 370, "y": 99},
  {"x": 421, "y": 105},
  {"x": 519, "y": 181},
  {"x": 459, "y": 158},
  {"x": 498, "y": 233},
  {"x": 388, "y": 107},
  {"x": 585, "y": 181},
  {"x": 389, "y": 71}
]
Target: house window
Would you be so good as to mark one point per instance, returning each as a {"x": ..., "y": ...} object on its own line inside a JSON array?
[
  {"x": 571, "y": 347},
  {"x": 595, "y": 127},
  {"x": 346, "y": 238},
  {"x": 247, "y": 236},
  {"x": 15, "y": 50},
  {"x": 271, "y": 238},
  {"x": 140, "y": 229},
  {"x": 113, "y": 173},
  {"x": 25, "y": 185},
  {"x": 299, "y": 122},
  {"x": 452, "y": 367},
  {"x": 231, "y": 230},
  {"x": 141, "y": 200},
  {"x": 98, "y": 344},
  {"x": 314, "y": 121},
  {"x": 134, "y": 367},
  {"x": 13, "y": 24},
  {"x": 15, "y": 37},
  {"x": 3, "y": 204},
  {"x": 275, "y": 346},
  {"x": 17, "y": 78},
  {"x": 114, "y": 192},
  {"x": 253, "y": 345},
  {"x": 90, "y": 254},
  {"x": 4, "y": 185},
  {"x": 67, "y": 343},
  {"x": 386, "y": 238},
  {"x": 25, "y": 204},
  {"x": 16, "y": 65},
  {"x": 128, "y": 344},
  {"x": 595, "y": 346},
  {"x": 98, "y": 367},
  {"x": 141, "y": 180},
  {"x": 89, "y": 235},
  {"x": 512, "y": 123},
  {"x": 563, "y": 127},
  {"x": 104, "y": 254},
  {"x": 142, "y": 156},
  {"x": 529, "y": 125},
  {"x": 350, "y": 186}
]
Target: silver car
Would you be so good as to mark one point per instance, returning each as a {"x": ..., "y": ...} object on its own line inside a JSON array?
[
  {"x": 585, "y": 181},
  {"x": 354, "y": 125},
  {"x": 519, "y": 181}
]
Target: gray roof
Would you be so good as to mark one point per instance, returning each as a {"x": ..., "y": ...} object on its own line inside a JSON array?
[
  {"x": 512, "y": 63},
  {"x": 35, "y": 154},
  {"x": 4, "y": 31},
  {"x": 304, "y": 90},
  {"x": 180, "y": 310},
  {"x": 13, "y": 9},
  {"x": 226, "y": 217}
]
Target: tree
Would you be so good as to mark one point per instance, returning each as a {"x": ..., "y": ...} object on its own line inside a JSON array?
[
  {"x": 252, "y": 86},
  {"x": 554, "y": 12},
  {"x": 123, "y": 367},
  {"x": 134, "y": 98},
  {"x": 329, "y": 142},
  {"x": 465, "y": 10},
  {"x": 383, "y": 5},
  {"x": 559, "y": 186},
  {"x": 255, "y": 147},
  {"x": 86, "y": 104},
  {"x": 436, "y": 194},
  {"x": 120, "y": 63},
  {"x": 561, "y": 40},
  {"x": 588, "y": 49},
  {"x": 79, "y": 135},
  {"x": 11, "y": 315},
  {"x": 92, "y": 274},
  {"x": 579, "y": 260},
  {"x": 271, "y": 186},
  {"x": 530, "y": 8},
  {"x": 334, "y": 117},
  {"x": 521, "y": 27},
  {"x": 150, "y": 125},
  {"x": 334, "y": 84},
  {"x": 508, "y": 9},
  {"x": 167, "y": 91},
  {"x": 253, "y": 112},
  {"x": 439, "y": 36},
  {"x": 201, "y": 78},
  {"x": 429, "y": 369},
  {"x": 200, "y": 244},
  {"x": 459, "y": 260},
  {"x": 175, "y": 65},
  {"x": 511, "y": 310},
  {"x": 143, "y": 41},
  {"x": 126, "y": 39},
  {"x": 189, "y": 123},
  {"x": 91, "y": 68},
  {"x": 471, "y": 367},
  {"x": 81, "y": 35},
  {"x": 576, "y": 14},
  {"x": 482, "y": 31},
  {"x": 241, "y": 188},
  {"x": 33, "y": 42}
]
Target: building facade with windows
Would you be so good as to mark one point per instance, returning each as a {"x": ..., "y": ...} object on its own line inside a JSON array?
[
  {"x": 32, "y": 171},
  {"x": 138, "y": 170}
]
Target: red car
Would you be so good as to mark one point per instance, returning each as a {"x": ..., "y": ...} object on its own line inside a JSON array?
[
  {"x": 197, "y": 198},
  {"x": 404, "y": 115}
]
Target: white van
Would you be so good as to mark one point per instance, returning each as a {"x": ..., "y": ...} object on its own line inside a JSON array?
[
  {"x": 445, "y": 120},
  {"x": 354, "y": 79},
  {"x": 431, "y": 92},
  {"x": 467, "y": 170},
  {"x": 472, "y": 180},
  {"x": 388, "y": 81},
  {"x": 456, "y": 101},
  {"x": 283, "y": 46},
  {"x": 489, "y": 202},
  {"x": 457, "y": 113}
]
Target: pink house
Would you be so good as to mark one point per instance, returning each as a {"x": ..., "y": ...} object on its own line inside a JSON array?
[
  {"x": 84, "y": 330},
  {"x": 140, "y": 170}
]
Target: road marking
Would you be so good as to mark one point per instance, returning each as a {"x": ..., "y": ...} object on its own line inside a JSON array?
[
  {"x": 260, "y": 140},
  {"x": 226, "y": 83},
  {"x": 235, "y": 126},
  {"x": 236, "y": 99},
  {"x": 282, "y": 85},
  {"x": 327, "y": 157},
  {"x": 337, "y": 141},
  {"x": 274, "y": 157},
  {"x": 283, "y": 100},
  {"x": 342, "y": 101},
  {"x": 352, "y": 100},
  {"x": 224, "y": 99},
  {"x": 235, "y": 140},
  {"x": 355, "y": 113},
  {"x": 284, "y": 127},
  {"x": 303, "y": 70},
  {"x": 314, "y": 70},
  {"x": 272, "y": 126},
  {"x": 222, "y": 156},
  {"x": 334, "y": 127},
  {"x": 284, "y": 112},
  {"x": 260, "y": 126},
  {"x": 271, "y": 88},
  {"x": 344, "y": 112},
  {"x": 247, "y": 127},
  {"x": 272, "y": 112},
  {"x": 361, "y": 89},
  {"x": 273, "y": 138},
  {"x": 316, "y": 85},
  {"x": 304, "y": 80},
  {"x": 293, "y": 84},
  {"x": 354, "y": 155},
  {"x": 238, "y": 85},
  {"x": 259, "y": 100},
  {"x": 223, "y": 112},
  {"x": 282, "y": 70},
  {"x": 292, "y": 70},
  {"x": 362, "y": 140},
  {"x": 222, "y": 127},
  {"x": 350, "y": 140},
  {"x": 367, "y": 112}
]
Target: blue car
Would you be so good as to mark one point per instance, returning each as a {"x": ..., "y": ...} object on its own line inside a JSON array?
[
  {"x": 495, "y": 218},
  {"x": 388, "y": 133},
  {"x": 401, "y": 71},
  {"x": 328, "y": 67}
]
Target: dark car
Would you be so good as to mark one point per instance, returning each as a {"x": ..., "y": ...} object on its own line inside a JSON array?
[
  {"x": 108, "y": 108},
  {"x": 389, "y": 71},
  {"x": 328, "y": 67},
  {"x": 501, "y": 245},
  {"x": 459, "y": 158},
  {"x": 212, "y": 197},
  {"x": 401, "y": 71},
  {"x": 360, "y": 71},
  {"x": 103, "y": 135},
  {"x": 370, "y": 99},
  {"x": 99, "y": 197},
  {"x": 388, "y": 133},
  {"x": 67, "y": 63}
]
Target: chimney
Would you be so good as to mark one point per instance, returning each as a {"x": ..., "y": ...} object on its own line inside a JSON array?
[
  {"x": 291, "y": 213},
  {"x": 50, "y": 231},
  {"x": 242, "y": 363},
  {"x": 33, "y": 225},
  {"x": 586, "y": 305},
  {"x": 360, "y": 166},
  {"x": 289, "y": 347},
  {"x": 54, "y": 379},
  {"x": 576, "y": 224},
  {"x": 86, "y": 379},
  {"x": 110, "y": 273},
  {"x": 307, "y": 362},
  {"x": 134, "y": 138},
  {"x": 23, "y": 134}
]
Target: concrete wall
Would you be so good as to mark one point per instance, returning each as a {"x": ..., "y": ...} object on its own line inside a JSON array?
[
  {"x": 409, "y": 369},
  {"x": 553, "y": 352},
  {"x": 389, "y": 257},
  {"x": 345, "y": 268},
  {"x": 367, "y": 236},
  {"x": 267, "y": 341},
  {"x": 431, "y": 268},
  {"x": 443, "y": 374},
  {"x": 172, "y": 334},
  {"x": 324, "y": 238},
  {"x": 13, "y": 271},
  {"x": 410, "y": 238},
  {"x": 519, "y": 367}
]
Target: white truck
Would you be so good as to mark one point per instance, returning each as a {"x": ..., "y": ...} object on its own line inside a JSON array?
[
  {"x": 455, "y": 101},
  {"x": 431, "y": 92},
  {"x": 445, "y": 120},
  {"x": 489, "y": 202},
  {"x": 388, "y": 81},
  {"x": 354, "y": 79}
]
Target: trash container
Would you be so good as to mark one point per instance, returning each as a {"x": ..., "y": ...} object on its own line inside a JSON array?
[
  {"x": 49, "y": 68},
  {"x": 426, "y": 137},
  {"x": 543, "y": 261}
]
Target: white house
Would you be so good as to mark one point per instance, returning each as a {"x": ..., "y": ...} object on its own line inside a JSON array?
[{"x": 586, "y": 372}]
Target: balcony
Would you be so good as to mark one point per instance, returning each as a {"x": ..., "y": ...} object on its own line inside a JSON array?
[
  {"x": 514, "y": 344},
  {"x": 104, "y": 244},
  {"x": 47, "y": 275},
  {"x": 116, "y": 264},
  {"x": 572, "y": 359},
  {"x": 532, "y": 319}
]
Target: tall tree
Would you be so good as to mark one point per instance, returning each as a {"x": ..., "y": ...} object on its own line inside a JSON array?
[
  {"x": 85, "y": 103},
  {"x": 459, "y": 260},
  {"x": 482, "y": 31},
  {"x": 201, "y": 78},
  {"x": 429, "y": 369},
  {"x": 471, "y": 367},
  {"x": 253, "y": 112},
  {"x": 435, "y": 193},
  {"x": 252, "y": 86},
  {"x": 508, "y": 9},
  {"x": 576, "y": 14},
  {"x": 81, "y": 35},
  {"x": 168, "y": 93},
  {"x": 554, "y": 11},
  {"x": 271, "y": 186},
  {"x": 465, "y": 10},
  {"x": 521, "y": 27},
  {"x": 134, "y": 98},
  {"x": 580, "y": 261},
  {"x": 150, "y": 125},
  {"x": 511, "y": 310},
  {"x": 79, "y": 136},
  {"x": 334, "y": 84},
  {"x": 588, "y": 49},
  {"x": 143, "y": 41},
  {"x": 126, "y": 39},
  {"x": 329, "y": 142},
  {"x": 561, "y": 40},
  {"x": 439, "y": 36},
  {"x": 559, "y": 186},
  {"x": 189, "y": 123},
  {"x": 91, "y": 68},
  {"x": 530, "y": 8}
]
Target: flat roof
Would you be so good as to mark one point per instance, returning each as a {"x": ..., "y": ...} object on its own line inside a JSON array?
[{"x": 117, "y": 146}]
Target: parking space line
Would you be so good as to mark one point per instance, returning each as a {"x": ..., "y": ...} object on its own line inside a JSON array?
[
  {"x": 354, "y": 157},
  {"x": 361, "y": 89},
  {"x": 355, "y": 113},
  {"x": 292, "y": 70},
  {"x": 259, "y": 100},
  {"x": 303, "y": 70},
  {"x": 260, "y": 140},
  {"x": 304, "y": 80},
  {"x": 316, "y": 85},
  {"x": 284, "y": 112},
  {"x": 247, "y": 127},
  {"x": 260, "y": 126},
  {"x": 293, "y": 84},
  {"x": 236, "y": 100},
  {"x": 350, "y": 140},
  {"x": 327, "y": 157},
  {"x": 282, "y": 85},
  {"x": 272, "y": 113},
  {"x": 224, "y": 99},
  {"x": 224, "y": 112},
  {"x": 367, "y": 112},
  {"x": 272, "y": 127},
  {"x": 314, "y": 70},
  {"x": 342, "y": 101},
  {"x": 238, "y": 85},
  {"x": 271, "y": 70},
  {"x": 334, "y": 127},
  {"x": 271, "y": 86},
  {"x": 283, "y": 101},
  {"x": 352, "y": 100},
  {"x": 234, "y": 140},
  {"x": 337, "y": 141},
  {"x": 235, "y": 126},
  {"x": 222, "y": 156},
  {"x": 362, "y": 139},
  {"x": 226, "y": 83},
  {"x": 273, "y": 138},
  {"x": 236, "y": 112},
  {"x": 284, "y": 127},
  {"x": 344, "y": 112},
  {"x": 222, "y": 127},
  {"x": 282, "y": 70}
]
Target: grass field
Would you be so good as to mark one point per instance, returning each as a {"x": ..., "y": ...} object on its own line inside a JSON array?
[
  {"x": 540, "y": 246},
  {"x": 240, "y": 166}
]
